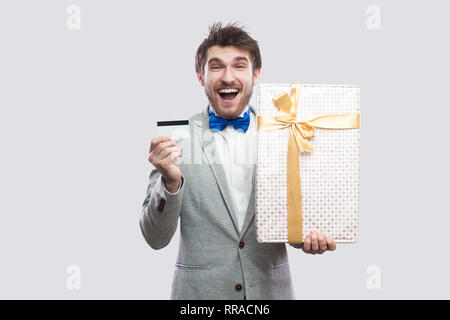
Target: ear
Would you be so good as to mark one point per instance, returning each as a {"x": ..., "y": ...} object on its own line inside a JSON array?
[
  {"x": 200, "y": 79},
  {"x": 256, "y": 76}
]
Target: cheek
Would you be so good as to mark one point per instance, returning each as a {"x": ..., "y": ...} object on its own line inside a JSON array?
[
  {"x": 211, "y": 80},
  {"x": 246, "y": 80},
  {"x": 210, "y": 87}
]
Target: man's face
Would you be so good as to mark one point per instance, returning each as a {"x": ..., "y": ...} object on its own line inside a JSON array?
[{"x": 228, "y": 80}]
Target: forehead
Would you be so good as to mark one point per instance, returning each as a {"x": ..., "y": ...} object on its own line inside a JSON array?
[{"x": 226, "y": 54}]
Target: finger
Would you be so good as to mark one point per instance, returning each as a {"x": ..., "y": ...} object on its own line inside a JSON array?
[
  {"x": 167, "y": 151},
  {"x": 163, "y": 145},
  {"x": 331, "y": 244},
  {"x": 169, "y": 161},
  {"x": 176, "y": 158},
  {"x": 314, "y": 242},
  {"x": 157, "y": 140},
  {"x": 322, "y": 242},
  {"x": 171, "y": 158},
  {"x": 165, "y": 162},
  {"x": 307, "y": 244},
  {"x": 319, "y": 251},
  {"x": 155, "y": 154},
  {"x": 155, "y": 157}
]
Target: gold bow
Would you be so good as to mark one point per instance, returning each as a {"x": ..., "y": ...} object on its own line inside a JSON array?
[{"x": 299, "y": 132}]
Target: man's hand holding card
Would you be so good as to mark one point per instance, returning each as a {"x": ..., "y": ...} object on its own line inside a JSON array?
[{"x": 165, "y": 151}]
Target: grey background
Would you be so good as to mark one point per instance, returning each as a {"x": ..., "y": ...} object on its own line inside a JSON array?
[{"x": 79, "y": 108}]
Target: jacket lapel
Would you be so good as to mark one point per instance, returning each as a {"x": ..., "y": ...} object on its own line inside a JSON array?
[
  {"x": 210, "y": 153},
  {"x": 208, "y": 144},
  {"x": 251, "y": 207},
  {"x": 251, "y": 203}
]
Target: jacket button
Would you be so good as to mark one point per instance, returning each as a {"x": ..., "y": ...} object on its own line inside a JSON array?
[
  {"x": 241, "y": 244},
  {"x": 238, "y": 287},
  {"x": 162, "y": 203}
]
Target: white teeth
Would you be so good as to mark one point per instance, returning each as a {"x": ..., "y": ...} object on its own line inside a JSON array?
[{"x": 228, "y": 90}]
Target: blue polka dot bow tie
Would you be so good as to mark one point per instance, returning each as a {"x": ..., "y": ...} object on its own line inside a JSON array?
[{"x": 218, "y": 123}]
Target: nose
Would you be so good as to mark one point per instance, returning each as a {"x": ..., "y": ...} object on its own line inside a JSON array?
[{"x": 228, "y": 76}]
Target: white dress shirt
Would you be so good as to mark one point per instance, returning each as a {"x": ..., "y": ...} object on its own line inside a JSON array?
[{"x": 237, "y": 152}]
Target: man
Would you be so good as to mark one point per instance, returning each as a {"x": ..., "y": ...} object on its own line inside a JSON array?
[{"x": 219, "y": 257}]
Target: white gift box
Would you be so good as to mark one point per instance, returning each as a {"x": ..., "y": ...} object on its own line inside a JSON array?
[{"x": 329, "y": 175}]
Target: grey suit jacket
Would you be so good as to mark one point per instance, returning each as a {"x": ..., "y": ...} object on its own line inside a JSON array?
[{"x": 215, "y": 259}]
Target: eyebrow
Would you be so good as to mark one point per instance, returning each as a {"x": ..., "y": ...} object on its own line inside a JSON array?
[{"x": 239, "y": 58}]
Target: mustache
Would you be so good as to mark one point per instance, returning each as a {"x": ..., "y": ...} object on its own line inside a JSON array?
[{"x": 228, "y": 87}]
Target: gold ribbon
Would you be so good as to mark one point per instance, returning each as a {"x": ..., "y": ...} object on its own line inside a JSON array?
[{"x": 299, "y": 132}]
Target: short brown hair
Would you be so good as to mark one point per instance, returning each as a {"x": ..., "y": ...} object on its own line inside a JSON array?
[{"x": 230, "y": 35}]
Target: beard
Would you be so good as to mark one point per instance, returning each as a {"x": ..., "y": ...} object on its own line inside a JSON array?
[{"x": 236, "y": 108}]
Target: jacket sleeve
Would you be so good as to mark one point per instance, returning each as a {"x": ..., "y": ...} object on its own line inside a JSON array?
[
  {"x": 160, "y": 211},
  {"x": 295, "y": 245}
]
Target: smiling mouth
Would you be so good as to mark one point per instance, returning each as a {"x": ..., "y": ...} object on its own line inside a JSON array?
[{"x": 228, "y": 94}]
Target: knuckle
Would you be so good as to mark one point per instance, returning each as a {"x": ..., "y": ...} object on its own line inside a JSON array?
[
  {"x": 159, "y": 147},
  {"x": 154, "y": 142}
]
